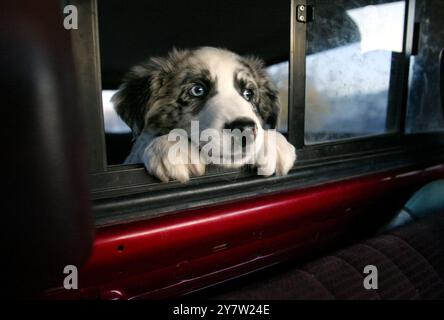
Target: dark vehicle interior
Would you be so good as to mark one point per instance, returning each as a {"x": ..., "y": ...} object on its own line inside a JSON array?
[{"x": 362, "y": 90}]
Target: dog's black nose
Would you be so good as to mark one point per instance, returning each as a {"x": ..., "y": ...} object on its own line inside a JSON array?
[{"x": 241, "y": 124}]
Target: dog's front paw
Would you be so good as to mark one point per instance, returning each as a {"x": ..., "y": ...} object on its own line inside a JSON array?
[
  {"x": 166, "y": 163},
  {"x": 286, "y": 155},
  {"x": 278, "y": 155}
]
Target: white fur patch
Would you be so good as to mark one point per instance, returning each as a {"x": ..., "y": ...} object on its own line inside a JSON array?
[{"x": 227, "y": 105}]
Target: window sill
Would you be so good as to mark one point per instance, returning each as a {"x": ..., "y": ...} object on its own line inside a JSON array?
[{"x": 137, "y": 196}]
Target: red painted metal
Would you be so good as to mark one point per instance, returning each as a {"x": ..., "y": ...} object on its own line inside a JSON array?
[{"x": 175, "y": 254}]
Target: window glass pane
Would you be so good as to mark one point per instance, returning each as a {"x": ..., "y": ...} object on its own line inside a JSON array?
[
  {"x": 279, "y": 75},
  {"x": 113, "y": 123},
  {"x": 424, "y": 112},
  {"x": 133, "y": 31},
  {"x": 351, "y": 49}
]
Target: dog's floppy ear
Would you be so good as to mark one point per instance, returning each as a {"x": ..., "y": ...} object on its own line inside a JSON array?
[
  {"x": 142, "y": 83},
  {"x": 269, "y": 103},
  {"x": 131, "y": 100}
]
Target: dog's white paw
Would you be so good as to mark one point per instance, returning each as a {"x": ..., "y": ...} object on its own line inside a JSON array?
[
  {"x": 278, "y": 156},
  {"x": 286, "y": 155},
  {"x": 166, "y": 165}
]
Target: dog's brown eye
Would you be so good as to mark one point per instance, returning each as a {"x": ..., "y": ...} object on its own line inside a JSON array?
[
  {"x": 247, "y": 94},
  {"x": 198, "y": 90}
]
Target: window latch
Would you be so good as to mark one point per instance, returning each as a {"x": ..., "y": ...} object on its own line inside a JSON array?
[{"x": 304, "y": 13}]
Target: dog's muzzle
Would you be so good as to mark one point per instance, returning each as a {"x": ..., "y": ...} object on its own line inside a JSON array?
[{"x": 244, "y": 125}]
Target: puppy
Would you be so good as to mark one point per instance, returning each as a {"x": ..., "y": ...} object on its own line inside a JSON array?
[{"x": 201, "y": 90}]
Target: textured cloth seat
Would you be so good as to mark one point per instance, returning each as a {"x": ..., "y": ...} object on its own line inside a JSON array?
[{"x": 410, "y": 263}]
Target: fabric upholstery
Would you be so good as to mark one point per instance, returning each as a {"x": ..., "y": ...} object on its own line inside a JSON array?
[{"x": 410, "y": 262}]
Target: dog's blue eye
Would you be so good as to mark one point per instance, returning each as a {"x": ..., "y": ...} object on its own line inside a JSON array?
[
  {"x": 247, "y": 94},
  {"x": 198, "y": 90}
]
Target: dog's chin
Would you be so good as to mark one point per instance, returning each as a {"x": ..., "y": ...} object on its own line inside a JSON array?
[
  {"x": 229, "y": 160},
  {"x": 237, "y": 161}
]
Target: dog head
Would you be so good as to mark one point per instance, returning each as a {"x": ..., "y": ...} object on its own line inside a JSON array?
[{"x": 216, "y": 87}]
